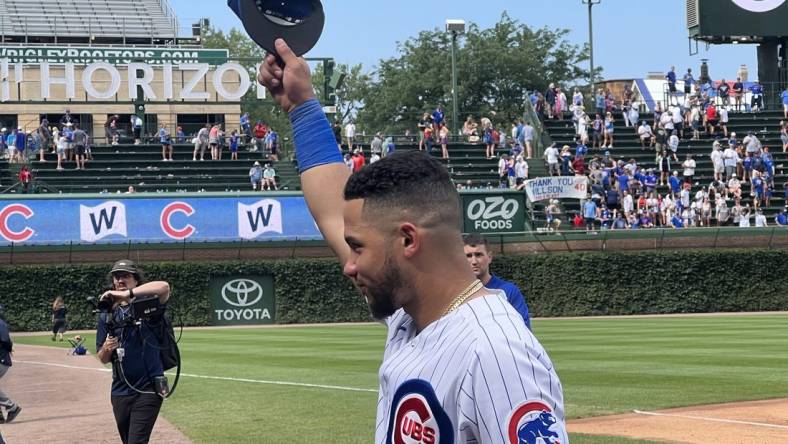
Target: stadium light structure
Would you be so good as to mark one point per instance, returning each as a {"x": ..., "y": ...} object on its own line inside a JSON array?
[
  {"x": 455, "y": 27},
  {"x": 591, "y": 4}
]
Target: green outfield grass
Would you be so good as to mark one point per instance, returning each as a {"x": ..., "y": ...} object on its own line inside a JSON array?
[{"x": 606, "y": 366}]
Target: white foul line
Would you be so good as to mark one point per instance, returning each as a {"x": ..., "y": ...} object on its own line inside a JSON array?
[
  {"x": 52, "y": 364},
  {"x": 293, "y": 384},
  {"x": 703, "y": 418},
  {"x": 220, "y": 378}
]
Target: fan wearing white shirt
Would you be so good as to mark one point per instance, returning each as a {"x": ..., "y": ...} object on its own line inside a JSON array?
[
  {"x": 689, "y": 168},
  {"x": 760, "y": 220},
  {"x": 744, "y": 217},
  {"x": 717, "y": 161},
  {"x": 646, "y": 134},
  {"x": 551, "y": 155}
]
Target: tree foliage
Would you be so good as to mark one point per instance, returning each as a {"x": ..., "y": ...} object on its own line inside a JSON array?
[
  {"x": 496, "y": 67},
  {"x": 249, "y": 54}
]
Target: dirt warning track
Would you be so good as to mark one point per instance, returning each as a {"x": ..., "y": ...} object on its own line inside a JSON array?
[{"x": 65, "y": 399}]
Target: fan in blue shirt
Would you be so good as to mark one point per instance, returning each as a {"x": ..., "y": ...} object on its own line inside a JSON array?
[
  {"x": 651, "y": 181},
  {"x": 623, "y": 183},
  {"x": 671, "y": 76},
  {"x": 479, "y": 256},
  {"x": 438, "y": 116},
  {"x": 675, "y": 183},
  {"x": 581, "y": 149}
]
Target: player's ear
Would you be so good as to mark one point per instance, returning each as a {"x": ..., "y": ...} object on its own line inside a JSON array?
[{"x": 409, "y": 238}]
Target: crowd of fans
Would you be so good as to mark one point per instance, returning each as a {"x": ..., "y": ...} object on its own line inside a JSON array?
[
  {"x": 625, "y": 194},
  {"x": 70, "y": 143}
]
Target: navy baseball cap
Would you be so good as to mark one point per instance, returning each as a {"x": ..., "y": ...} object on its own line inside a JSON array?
[{"x": 298, "y": 22}]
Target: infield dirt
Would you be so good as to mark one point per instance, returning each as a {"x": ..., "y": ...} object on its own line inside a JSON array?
[
  {"x": 65, "y": 399},
  {"x": 731, "y": 423}
]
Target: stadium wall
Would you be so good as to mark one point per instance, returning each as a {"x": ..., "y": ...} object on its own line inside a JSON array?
[{"x": 314, "y": 290}]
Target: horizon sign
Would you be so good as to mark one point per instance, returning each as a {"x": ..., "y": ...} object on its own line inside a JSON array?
[{"x": 190, "y": 76}]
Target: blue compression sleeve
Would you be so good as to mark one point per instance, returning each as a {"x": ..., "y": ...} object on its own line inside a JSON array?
[{"x": 314, "y": 139}]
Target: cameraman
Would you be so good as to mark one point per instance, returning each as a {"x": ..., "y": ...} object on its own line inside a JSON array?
[{"x": 133, "y": 349}]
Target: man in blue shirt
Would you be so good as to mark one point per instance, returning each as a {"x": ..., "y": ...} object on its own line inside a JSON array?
[
  {"x": 784, "y": 96},
  {"x": 781, "y": 219},
  {"x": 756, "y": 102},
  {"x": 623, "y": 183},
  {"x": 246, "y": 128},
  {"x": 676, "y": 221},
  {"x": 688, "y": 82},
  {"x": 135, "y": 403},
  {"x": 671, "y": 76},
  {"x": 675, "y": 184},
  {"x": 166, "y": 143},
  {"x": 21, "y": 144},
  {"x": 437, "y": 118},
  {"x": 10, "y": 143},
  {"x": 479, "y": 256},
  {"x": 6, "y": 346},
  {"x": 581, "y": 149},
  {"x": 650, "y": 181},
  {"x": 589, "y": 214}
]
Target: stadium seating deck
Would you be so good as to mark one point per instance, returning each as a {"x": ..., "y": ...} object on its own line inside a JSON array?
[
  {"x": 115, "y": 168},
  {"x": 97, "y": 18},
  {"x": 627, "y": 146}
]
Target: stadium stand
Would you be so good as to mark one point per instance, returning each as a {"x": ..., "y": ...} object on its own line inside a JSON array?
[
  {"x": 115, "y": 168},
  {"x": 765, "y": 125},
  {"x": 36, "y": 21}
]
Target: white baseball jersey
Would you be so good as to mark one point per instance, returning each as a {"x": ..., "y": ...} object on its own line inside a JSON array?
[{"x": 477, "y": 375}]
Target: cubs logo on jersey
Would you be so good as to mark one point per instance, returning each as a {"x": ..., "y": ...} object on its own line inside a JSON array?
[
  {"x": 533, "y": 422},
  {"x": 417, "y": 417}
]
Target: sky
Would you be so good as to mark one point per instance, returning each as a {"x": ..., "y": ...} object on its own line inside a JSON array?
[{"x": 631, "y": 37}]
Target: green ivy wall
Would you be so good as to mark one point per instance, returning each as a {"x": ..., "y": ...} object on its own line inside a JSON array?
[{"x": 314, "y": 290}]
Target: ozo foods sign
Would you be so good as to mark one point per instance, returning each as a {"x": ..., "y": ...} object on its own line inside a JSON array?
[
  {"x": 243, "y": 300},
  {"x": 496, "y": 212}
]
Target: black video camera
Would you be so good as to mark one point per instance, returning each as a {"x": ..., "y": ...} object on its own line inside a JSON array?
[
  {"x": 141, "y": 308},
  {"x": 100, "y": 305}
]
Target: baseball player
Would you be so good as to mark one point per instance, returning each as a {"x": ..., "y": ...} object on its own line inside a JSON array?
[
  {"x": 459, "y": 366},
  {"x": 477, "y": 250}
]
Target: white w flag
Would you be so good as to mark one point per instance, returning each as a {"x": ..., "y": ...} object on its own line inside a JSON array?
[
  {"x": 96, "y": 223},
  {"x": 258, "y": 218}
]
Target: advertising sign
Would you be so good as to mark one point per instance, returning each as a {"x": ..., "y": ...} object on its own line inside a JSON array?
[
  {"x": 493, "y": 212},
  {"x": 715, "y": 18},
  {"x": 243, "y": 300},
  {"x": 62, "y": 220},
  {"x": 558, "y": 187},
  {"x": 115, "y": 56},
  {"x": 180, "y": 81}
]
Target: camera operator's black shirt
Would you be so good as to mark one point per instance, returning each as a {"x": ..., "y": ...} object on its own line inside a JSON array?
[{"x": 142, "y": 360}]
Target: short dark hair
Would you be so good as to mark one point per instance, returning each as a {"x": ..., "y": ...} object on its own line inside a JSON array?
[
  {"x": 474, "y": 240},
  {"x": 408, "y": 180}
]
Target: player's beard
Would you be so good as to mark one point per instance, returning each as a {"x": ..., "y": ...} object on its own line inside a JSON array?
[{"x": 381, "y": 297}]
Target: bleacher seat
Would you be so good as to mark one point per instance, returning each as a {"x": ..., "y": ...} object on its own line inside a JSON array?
[
  {"x": 97, "y": 18},
  {"x": 765, "y": 125}
]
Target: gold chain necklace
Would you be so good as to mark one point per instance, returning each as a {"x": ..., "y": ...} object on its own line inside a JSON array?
[{"x": 475, "y": 286}]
